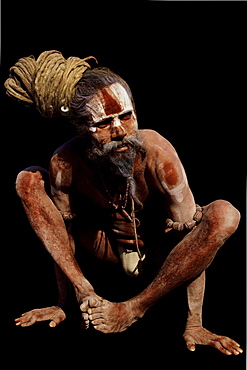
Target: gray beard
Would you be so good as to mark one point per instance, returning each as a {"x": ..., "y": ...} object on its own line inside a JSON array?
[
  {"x": 117, "y": 165},
  {"x": 114, "y": 162}
]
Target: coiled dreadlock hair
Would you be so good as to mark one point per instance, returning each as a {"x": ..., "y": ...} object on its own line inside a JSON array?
[
  {"x": 47, "y": 83},
  {"x": 57, "y": 87}
]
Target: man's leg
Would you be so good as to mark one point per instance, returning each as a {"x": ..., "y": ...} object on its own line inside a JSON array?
[
  {"x": 195, "y": 333},
  {"x": 186, "y": 261}
]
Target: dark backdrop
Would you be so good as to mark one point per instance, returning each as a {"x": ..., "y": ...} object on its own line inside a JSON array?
[{"x": 186, "y": 71}]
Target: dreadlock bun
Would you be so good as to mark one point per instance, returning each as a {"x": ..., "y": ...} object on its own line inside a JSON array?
[{"x": 47, "y": 83}]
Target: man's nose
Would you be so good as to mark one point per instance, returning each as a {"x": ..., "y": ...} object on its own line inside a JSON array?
[{"x": 117, "y": 130}]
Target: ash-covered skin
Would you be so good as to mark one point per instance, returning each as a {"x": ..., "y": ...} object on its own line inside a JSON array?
[{"x": 154, "y": 167}]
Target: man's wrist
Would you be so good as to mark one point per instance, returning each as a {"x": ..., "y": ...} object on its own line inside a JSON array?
[{"x": 83, "y": 289}]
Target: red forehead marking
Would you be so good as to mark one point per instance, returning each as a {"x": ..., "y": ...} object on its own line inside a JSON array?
[{"x": 111, "y": 106}]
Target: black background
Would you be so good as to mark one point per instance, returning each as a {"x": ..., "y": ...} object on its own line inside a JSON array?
[{"x": 185, "y": 66}]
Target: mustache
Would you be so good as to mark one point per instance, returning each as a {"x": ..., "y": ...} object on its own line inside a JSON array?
[{"x": 110, "y": 148}]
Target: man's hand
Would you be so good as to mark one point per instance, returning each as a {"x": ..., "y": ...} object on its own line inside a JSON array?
[
  {"x": 199, "y": 335},
  {"x": 87, "y": 303},
  {"x": 53, "y": 314}
]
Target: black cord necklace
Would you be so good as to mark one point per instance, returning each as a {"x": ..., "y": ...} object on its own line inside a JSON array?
[
  {"x": 119, "y": 203},
  {"x": 119, "y": 200}
]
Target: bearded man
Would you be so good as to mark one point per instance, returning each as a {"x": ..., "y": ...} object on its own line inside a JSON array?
[{"x": 113, "y": 190}]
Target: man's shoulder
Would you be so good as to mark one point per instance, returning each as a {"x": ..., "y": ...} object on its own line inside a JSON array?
[
  {"x": 154, "y": 142},
  {"x": 67, "y": 148},
  {"x": 66, "y": 155},
  {"x": 162, "y": 160}
]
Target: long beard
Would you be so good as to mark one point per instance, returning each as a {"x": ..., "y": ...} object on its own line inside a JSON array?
[{"x": 118, "y": 166}]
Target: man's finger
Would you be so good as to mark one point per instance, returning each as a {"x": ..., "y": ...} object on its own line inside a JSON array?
[{"x": 94, "y": 302}]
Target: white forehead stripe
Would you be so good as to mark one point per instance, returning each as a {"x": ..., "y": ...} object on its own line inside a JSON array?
[
  {"x": 95, "y": 105},
  {"x": 116, "y": 122}
]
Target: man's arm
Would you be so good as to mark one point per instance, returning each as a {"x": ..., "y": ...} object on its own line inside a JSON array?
[
  {"x": 171, "y": 180},
  {"x": 181, "y": 208},
  {"x": 47, "y": 222},
  {"x": 61, "y": 181}
]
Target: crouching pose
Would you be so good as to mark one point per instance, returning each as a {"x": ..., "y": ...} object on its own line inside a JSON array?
[{"x": 114, "y": 190}]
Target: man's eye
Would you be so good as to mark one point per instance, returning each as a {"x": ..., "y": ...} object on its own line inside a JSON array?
[
  {"x": 104, "y": 123},
  {"x": 125, "y": 116}
]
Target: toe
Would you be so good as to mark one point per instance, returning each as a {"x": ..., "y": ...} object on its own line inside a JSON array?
[
  {"x": 235, "y": 350},
  {"x": 231, "y": 346},
  {"x": 85, "y": 316},
  {"x": 101, "y": 327},
  {"x": 90, "y": 302},
  {"x": 221, "y": 348},
  {"x": 96, "y": 310},
  {"x": 95, "y": 316},
  {"x": 97, "y": 322},
  {"x": 85, "y": 325},
  {"x": 85, "y": 321}
]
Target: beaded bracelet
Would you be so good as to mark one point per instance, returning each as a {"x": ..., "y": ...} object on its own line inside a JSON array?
[
  {"x": 67, "y": 215},
  {"x": 188, "y": 225}
]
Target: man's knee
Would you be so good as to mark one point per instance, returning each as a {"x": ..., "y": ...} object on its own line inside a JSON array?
[
  {"x": 29, "y": 180},
  {"x": 223, "y": 218}
]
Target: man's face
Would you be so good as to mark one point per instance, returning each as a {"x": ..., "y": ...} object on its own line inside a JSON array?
[
  {"x": 113, "y": 130},
  {"x": 112, "y": 117}
]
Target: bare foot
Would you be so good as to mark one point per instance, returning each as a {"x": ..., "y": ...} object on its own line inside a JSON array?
[
  {"x": 54, "y": 313},
  {"x": 199, "y": 335},
  {"x": 109, "y": 317}
]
